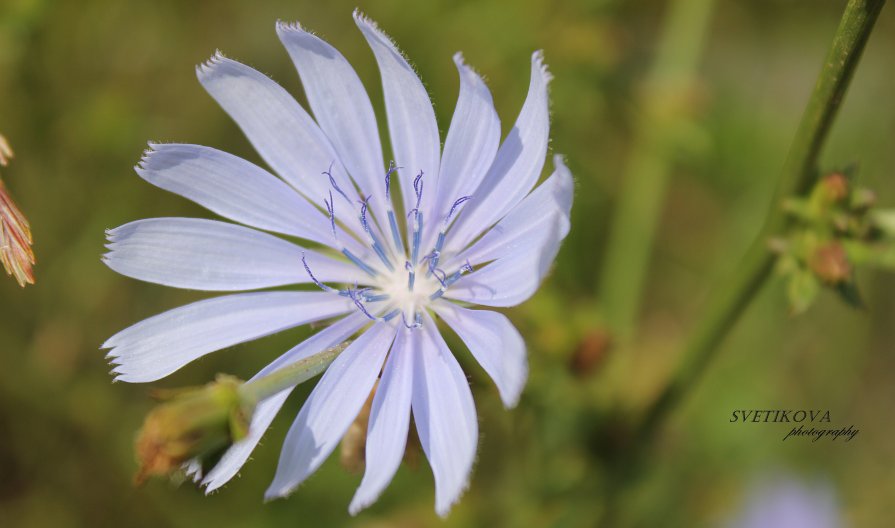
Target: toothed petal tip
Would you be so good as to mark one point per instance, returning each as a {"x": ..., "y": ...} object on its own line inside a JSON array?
[
  {"x": 284, "y": 26},
  {"x": 537, "y": 60},
  {"x": 208, "y": 66}
]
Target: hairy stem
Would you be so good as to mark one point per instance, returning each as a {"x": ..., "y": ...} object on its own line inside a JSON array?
[
  {"x": 289, "y": 376},
  {"x": 799, "y": 172}
]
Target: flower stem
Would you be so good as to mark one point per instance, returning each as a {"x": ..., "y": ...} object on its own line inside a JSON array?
[
  {"x": 666, "y": 105},
  {"x": 289, "y": 376},
  {"x": 799, "y": 172}
]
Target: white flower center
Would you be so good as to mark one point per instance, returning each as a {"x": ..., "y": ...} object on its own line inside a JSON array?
[
  {"x": 407, "y": 289},
  {"x": 396, "y": 285}
]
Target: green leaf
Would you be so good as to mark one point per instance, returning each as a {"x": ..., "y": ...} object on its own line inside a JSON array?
[
  {"x": 876, "y": 255},
  {"x": 802, "y": 290}
]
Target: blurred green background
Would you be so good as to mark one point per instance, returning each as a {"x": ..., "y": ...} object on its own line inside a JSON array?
[{"x": 85, "y": 84}]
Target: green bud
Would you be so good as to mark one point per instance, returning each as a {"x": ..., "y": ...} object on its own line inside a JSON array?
[{"x": 191, "y": 423}]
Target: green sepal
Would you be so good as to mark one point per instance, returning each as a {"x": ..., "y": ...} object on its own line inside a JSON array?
[
  {"x": 848, "y": 292},
  {"x": 802, "y": 290}
]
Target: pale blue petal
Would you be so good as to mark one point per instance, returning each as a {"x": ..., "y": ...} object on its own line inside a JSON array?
[
  {"x": 342, "y": 108},
  {"x": 234, "y": 458},
  {"x": 548, "y": 204},
  {"x": 445, "y": 417},
  {"x": 236, "y": 189},
  {"x": 389, "y": 421},
  {"x": 331, "y": 408},
  {"x": 517, "y": 166},
  {"x": 470, "y": 146},
  {"x": 494, "y": 342},
  {"x": 201, "y": 254},
  {"x": 156, "y": 347},
  {"x": 276, "y": 125},
  {"x": 514, "y": 277},
  {"x": 411, "y": 119}
]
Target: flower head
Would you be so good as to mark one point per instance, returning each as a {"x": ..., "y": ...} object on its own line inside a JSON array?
[{"x": 388, "y": 247}]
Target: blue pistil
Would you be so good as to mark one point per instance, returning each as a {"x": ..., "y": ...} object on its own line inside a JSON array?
[
  {"x": 319, "y": 284},
  {"x": 417, "y": 320},
  {"x": 446, "y": 283},
  {"x": 332, "y": 182},
  {"x": 331, "y": 209},
  {"x": 417, "y": 218},
  {"x": 362, "y": 296},
  {"x": 439, "y": 244},
  {"x": 358, "y": 297}
]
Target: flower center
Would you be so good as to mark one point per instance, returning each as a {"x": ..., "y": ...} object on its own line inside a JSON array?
[{"x": 404, "y": 290}]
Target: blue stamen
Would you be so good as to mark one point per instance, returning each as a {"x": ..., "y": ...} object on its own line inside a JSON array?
[
  {"x": 396, "y": 235},
  {"x": 377, "y": 247},
  {"x": 417, "y": 218},
  {"x": 391, "y": 315},
  {"x": 454, "y": 208},
  {"x": 331, "y": 209},
  {"x": 443, "y": 278},
  {"x": 356, "y": 297},
  {"x": 418, "y": 188},
  {"x": 332, "y": 181},
  {"x": 432, "y": 262},
  {"x": 377, "y": 298},
  {"x": 417, "y": 233},
  {"x": 464, "y": 269},
  {"x": 411, "y": 276},
  {"x": 393, "y": 223},
  {"x": 417, "y": 320},
  {"x": 319, "y": 284},
  {"x": 388, "y": 179},
  {"x": 363, "y": 213},
  {"x": 436, "y": 253},
  {"x": 359, "y": 263}
]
